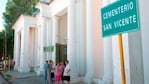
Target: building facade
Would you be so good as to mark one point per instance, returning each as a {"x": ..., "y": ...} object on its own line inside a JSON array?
[{"x": 71, "y": 29}]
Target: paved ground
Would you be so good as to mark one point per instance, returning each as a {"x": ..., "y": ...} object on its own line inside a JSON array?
[
  {"x": 2, "y": 81},
  {"x": 25, "y": 78},
  {"x": 28, "y": 80}
]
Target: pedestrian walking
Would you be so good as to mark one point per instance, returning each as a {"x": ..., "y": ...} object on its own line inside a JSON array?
[{"x": 67, "y": 72}]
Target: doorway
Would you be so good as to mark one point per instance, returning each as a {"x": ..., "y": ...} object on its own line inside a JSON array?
[{"x": 61, "y": 52}]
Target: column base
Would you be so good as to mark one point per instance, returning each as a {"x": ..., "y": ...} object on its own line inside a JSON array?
[
  {"x": 107, "y": 80},
  {"x": 89, "y": 75},
  {"x": 23, "y": 69},
  {"x": 74, "y": 75},
  {"x": 88, "y": 80},
  {"x": 16, "y": 68},
  {"x": 40, "y": 71}
]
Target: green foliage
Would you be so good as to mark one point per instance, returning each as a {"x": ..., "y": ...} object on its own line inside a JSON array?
[
  {"x": 14, "y": 8},
  {"x": 1, "y": 43}
]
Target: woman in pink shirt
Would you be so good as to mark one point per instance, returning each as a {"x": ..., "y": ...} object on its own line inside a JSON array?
[{"x": 58, "y": 72}]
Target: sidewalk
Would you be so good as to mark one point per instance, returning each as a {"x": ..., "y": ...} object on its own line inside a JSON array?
[
  {"x": 18, "y": 75},
  {"x": 23, "y": 78},
  {"x": 28, "y": 78},
  {"x": 2, "y": 80}
]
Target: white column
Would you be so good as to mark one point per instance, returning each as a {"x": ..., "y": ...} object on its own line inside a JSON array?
[
  {"x": 136, "y": 58},
  {"x": 55, "y": 36},
  {"x": 89, "y": 43},
  {"x": 49, "y": 36},
  {"x": 39, "y": 43},
  {"x": 108, "y": 60},
  {"x": 42, "y": 43},
  {"x": 72, "y": 43},
  {"x": 144, "y": 15},
  {"x": 81, "y": 57},
  {"x": 107, "y": 56},
  {"x": 16, "y": 49},
  {"x": 38, "y": 48},
  {"x": 15, "y": 46},
  {"x": 24, "y": 50}
]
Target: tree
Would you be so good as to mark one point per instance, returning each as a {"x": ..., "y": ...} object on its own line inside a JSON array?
[
  {"x": 1, "y": 43},
  {"x": 14, "y": 8}
]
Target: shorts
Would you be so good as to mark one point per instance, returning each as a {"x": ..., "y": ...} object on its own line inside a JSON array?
[
  {"x": 67, "y": 78},
  {"x": 52, "y": 74}
]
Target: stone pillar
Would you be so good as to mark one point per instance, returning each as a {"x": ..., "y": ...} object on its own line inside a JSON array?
[
  {"x": 108, "y": 70},
  {"x": 89, "y": 43},
  {"x": 107, "y": 56},
  {"x": 55, "y": 36},
  {"x": 49, "y": 36},
  {"x": 16, "y": 50},
  {"x": 23, "y": 67},
  {"x": 72, "y": 43},
  {"x": 42, "y": 43},
  {"x": 39, "y": 42},
  {"x": 136, "y": 57},
  {"x": 80, "y": 38},
  {"x": 144, "y": 15}
]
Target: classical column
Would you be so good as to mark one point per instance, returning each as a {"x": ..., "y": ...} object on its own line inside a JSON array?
[
  {"x": 42, "y": 43},
  {"x": 107, "y": 60},
  {"x": 49, "y": 36},
  {"x": 16, "y": 49},
  {"x": 89, "y": 40},
  {"x": 81, "y": 41},
  {"x": 144, "y": 15},
  {"x": 23, "y": 67},
  {"x": 72, "y": 43},
  {"x": 55, "y": 36},
  {"x": 107, "y": 56}
]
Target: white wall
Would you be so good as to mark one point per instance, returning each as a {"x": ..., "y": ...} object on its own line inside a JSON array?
[{"x": 63, "y": 29}]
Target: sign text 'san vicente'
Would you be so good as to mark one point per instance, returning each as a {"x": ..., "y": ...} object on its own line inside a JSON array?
[{"x": 119, "y": 17}]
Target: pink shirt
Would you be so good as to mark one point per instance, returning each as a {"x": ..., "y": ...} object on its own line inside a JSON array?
[{"x": 58, "y": 70}]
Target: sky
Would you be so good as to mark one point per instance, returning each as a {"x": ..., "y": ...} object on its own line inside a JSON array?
[{"x": 2, "y": 9}]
